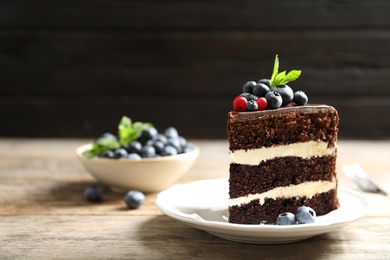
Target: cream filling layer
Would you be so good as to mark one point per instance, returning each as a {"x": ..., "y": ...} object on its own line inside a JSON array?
[
  {"x": 302, "y": 149},
  {"x": 307, "y": 189}
]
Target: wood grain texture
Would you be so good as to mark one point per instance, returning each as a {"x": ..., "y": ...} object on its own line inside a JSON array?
[
  {"x": 81, "y": 65},
  {"x": 43, "y": 213}
]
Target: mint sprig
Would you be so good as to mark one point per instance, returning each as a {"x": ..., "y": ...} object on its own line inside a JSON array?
[
  {"x": 282, "y": 78},
  {"x": 127, "y": 132}
]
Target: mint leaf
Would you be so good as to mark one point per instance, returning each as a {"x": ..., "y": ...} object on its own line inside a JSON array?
[
  {"x": 276, "y": 69},
  {"x": 127, "y": 132},
  {"x": 282, "y": 78},
  {"x": 100, "y": 146},
  {"x": 279, "y": 78},
  {"x": 293, "y": 75}
]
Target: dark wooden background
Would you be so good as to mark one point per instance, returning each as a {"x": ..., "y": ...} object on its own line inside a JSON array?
[{"x": 73, "y": 68}]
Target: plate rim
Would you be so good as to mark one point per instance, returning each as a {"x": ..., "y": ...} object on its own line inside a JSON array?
[{"x": 206, "y": 224}]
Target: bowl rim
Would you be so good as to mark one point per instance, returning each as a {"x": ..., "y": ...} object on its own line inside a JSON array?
[{"x": 84, "y": 147}]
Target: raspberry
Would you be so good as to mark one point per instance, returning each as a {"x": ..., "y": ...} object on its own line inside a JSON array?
[
  {"x": 262, "y": 103},
  {"x": 239, "y": 104}
]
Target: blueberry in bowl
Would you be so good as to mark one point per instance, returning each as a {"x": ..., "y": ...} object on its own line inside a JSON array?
[{"x": 138, "y": 158}]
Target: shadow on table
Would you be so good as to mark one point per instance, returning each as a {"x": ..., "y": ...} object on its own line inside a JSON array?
[{"x": 167, "y": 239}]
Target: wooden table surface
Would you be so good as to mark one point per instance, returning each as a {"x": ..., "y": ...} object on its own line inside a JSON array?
[{"x": 43, "y": 213}]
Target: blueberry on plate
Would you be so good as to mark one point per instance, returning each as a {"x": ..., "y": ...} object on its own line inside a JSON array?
[
  {"x": 305, "y": 215},
  {"x": 286, "y": 218},
  {"x": 134, "y": 199},
  {"x": 93, "y": 193}
]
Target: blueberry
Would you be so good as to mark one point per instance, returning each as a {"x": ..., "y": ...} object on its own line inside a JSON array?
[
  {"x": 249, "y": 97},
  {"x": 148, "y": 151},
  {"x": 286, "y": 218},
  {"x": 134, "y": 199},
  {"x": 188, "y": 148},
  {"x": 286, "y": 92},
  {"x": 252, "y": 105},
  {"x": 274, "y": 100},
  {"x": 171, "y": 132},
  {"x": 169, "y": 150},
  {"x": 260, "y": 89},
  {"x": 149, "y": 142},
  {"x": 305, "y": 215},
  {"x": 133, "y": 147},
  {"x": 158, "y": 146},
  {"x": 147, "y": 135},
  {"x": 120, "y": 153},
  {"x": 265, "y": 81},
  {"x": 93, "y": 193},
  {"x": 107, "y": 154},
  {"x": 175, "y": 142},
  {"x": 248, "y": 87},
  {"x": 183, "y": 141},
  {"x": 105, "y": 135},
  {"x": 300, "y": 98},
  {"x": 134, "y": 156},
  {"x": 162, "y": 138}
]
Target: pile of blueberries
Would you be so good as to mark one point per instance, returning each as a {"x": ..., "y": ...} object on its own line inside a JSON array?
[
  {"x": 303, "y": 215},
  {"x": 260, "y": 96},
  {"x": 150, "y": 144}
]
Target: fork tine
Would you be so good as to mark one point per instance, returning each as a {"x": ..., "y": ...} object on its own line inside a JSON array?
[{"x": 357, "y": 174}]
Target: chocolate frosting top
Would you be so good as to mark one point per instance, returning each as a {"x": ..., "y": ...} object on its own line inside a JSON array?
[{"x": 282, "y": 110}]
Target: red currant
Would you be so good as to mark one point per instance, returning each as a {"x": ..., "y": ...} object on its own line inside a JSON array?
[
  {"x": 261, "y": 103},
  {"x": 239, "y": 104}
]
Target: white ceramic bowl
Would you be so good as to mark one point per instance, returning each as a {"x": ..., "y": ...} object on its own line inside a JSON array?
[{"x": 146, "y": 175}]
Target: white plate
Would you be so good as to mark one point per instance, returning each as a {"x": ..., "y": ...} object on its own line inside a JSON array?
[{"x": 204, "y": 205}]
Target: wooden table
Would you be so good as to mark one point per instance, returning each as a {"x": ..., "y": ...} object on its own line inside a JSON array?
[{"x": 43, "y": 213}]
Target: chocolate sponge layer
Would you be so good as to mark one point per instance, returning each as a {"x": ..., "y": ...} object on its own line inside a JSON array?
[
  {"x": 279, "y": 172},
  {"x": 254, "y": 213},
  {"x": 250, "y": 130}
]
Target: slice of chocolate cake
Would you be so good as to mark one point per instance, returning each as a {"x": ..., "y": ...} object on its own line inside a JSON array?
[
  {"x": 283, "y": 152},
  {"x": 282, "y": 159}
]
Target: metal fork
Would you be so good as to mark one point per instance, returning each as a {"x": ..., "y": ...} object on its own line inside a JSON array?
[{"x": 356, "y": 173}]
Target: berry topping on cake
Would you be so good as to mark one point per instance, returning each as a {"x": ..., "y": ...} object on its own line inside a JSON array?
[
  {"x": 262, "y": 103},
  {"x": 286, "y": 92},
  {"x": 274, "y": 99},
  {"x": 300, "y": 98},
  {"x": 260, "y": 89},
  {"x": 270, "y": 93},
  {"x": 248, "y": 87},
  {"x": 251, "y": 105},
  {"x": 239, "y": 104}
]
